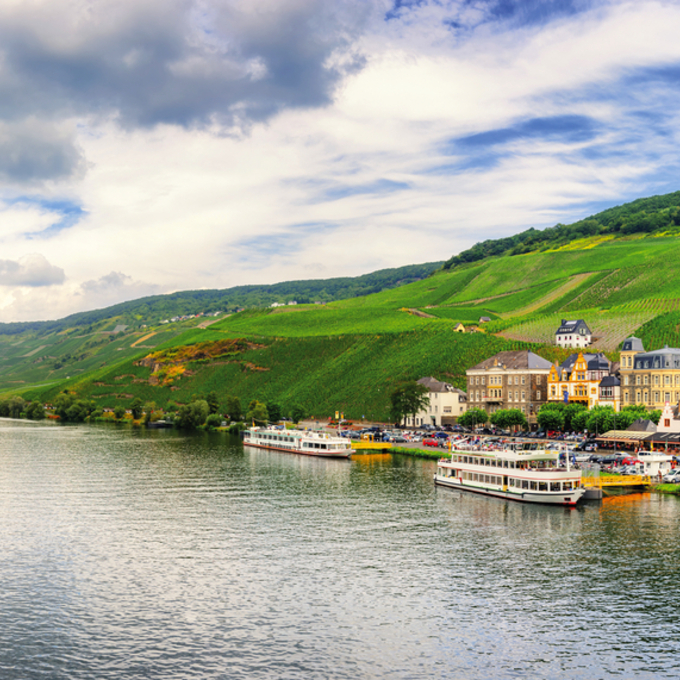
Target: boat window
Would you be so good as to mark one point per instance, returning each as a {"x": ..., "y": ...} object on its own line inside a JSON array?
[
  {"x": 543, "y": 486},
  {"x": 534, "y": 486},
  {"x": 566, "y": 486},
  {"x": 554, "y": 486},
  {"x": 525, "y": 483}
]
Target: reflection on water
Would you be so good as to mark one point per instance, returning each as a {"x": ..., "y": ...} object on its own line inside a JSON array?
[{"x": 158, "y": 555}]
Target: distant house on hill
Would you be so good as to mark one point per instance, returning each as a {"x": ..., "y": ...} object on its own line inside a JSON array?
[
  {"x": 573, "y": 333},
  {"x": 484, "y": 319},
  {"x": 459, "y": 328}
]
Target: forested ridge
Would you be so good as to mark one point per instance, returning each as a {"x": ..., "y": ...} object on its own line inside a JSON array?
[
  {"x": 656, "y": 214},
  {"x": 153, "y": 309}
]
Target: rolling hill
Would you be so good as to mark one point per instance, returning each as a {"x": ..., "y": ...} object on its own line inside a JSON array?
[{"x": 349, "y": 354}]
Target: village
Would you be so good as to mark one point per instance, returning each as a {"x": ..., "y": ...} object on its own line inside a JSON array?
[{"x": 641, "y": 392}]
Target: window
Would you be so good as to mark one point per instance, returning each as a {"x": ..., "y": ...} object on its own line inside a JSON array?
[
  {"x": 638, "y": 397},
  {"x": 646, "y": 380},
  {"x": 538, "y": 379},
  {"x": 667, "y": 380},
  {"x": 538, "y": 394},
  {"x": 625, "y": 380},
  {"x": 522, "y": 380},
  {"x": 637, "y": 379},
  {"x": 625, "y": 396},
  {"x": 656, "y": 380},
  {"x": 523, "y": 396}
]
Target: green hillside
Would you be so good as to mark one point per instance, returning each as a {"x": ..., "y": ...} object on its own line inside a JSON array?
[{"x": 349, "y": 354}]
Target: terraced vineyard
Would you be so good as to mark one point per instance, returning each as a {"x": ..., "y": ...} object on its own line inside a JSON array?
[{"x": 609, "y": 328}]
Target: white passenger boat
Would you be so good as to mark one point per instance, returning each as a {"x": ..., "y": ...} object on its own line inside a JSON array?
[
  {"x": 519, "y": 471},
  {"x": 306, "y": 442}
]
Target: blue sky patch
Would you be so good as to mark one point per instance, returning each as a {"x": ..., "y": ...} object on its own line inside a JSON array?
[
  {"x": 70, "y": 214},
  {"x": 569, "y": 129},
  {"x": 380, "y": 186}
]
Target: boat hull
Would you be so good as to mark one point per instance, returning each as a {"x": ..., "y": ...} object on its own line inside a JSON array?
[{"x": 564, "y": 498}]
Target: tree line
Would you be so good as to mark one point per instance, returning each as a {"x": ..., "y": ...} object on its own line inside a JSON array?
[
  {"x": 645, "y": 215},
  {"x": 201, "y": 412}
]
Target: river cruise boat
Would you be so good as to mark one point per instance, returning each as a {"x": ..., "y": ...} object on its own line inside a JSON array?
[
  {"x": 520, "y": 471},
  {"x": 307, "y": 442}
]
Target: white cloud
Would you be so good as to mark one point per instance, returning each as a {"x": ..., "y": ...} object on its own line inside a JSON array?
[
  {"x": 31, "y": 270},
  {"x": 337, "y": 173}
]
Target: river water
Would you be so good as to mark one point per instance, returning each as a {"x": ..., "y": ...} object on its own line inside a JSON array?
[{"x": 160, "y": 555}]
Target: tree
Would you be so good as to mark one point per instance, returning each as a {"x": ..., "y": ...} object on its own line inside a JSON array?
[
  {"x": 601, "y": 419},
  {"x": 149, "y": 412},
  {"x": 509, "y": 417},
  {"x": 119, "y": 412},
  {"x": 213, "y": 421},
  {"x": 409, "y": 398},
  {"x": 190, "y": 416},
  {"x": 579, "y": 420},
  {"x": 570, "y": 411},
  {"x": 213, "y": 402},
  {"x": 550, "y": 418},
  {"x": 297, "y": 413},
  {"x": 136, "y": 408},
  {"x": 35, "y": 411},
  {"x": 473, "y": 417},
  {"x": 275, "y": 412},
  {"x": 16, "y": 407},
  {"x": 234, "y": 410},
  {"x": 257, "y": 413},
  {"x": 62, "y": 402}
]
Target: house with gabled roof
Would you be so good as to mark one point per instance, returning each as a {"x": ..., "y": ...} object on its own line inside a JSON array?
[
  {"x": 509, "y": 379},
  {"x": 574, "y": 333},
  {"x": 578, "y": 379},
  {"x": 446, "y": 404}
]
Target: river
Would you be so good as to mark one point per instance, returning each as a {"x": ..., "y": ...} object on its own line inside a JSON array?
[{"x": 134, "y": 554}]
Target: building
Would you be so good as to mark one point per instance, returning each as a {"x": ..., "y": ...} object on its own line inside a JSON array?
[
  {"x": 459, "y": 328},
  {"x": 610, "y": 392},
  {"x": 512, "y": 379},
  {"x": 446, "y": 404},
  {"x": 649, "y": 378},
  {"x": 573, "y": 334},
  {"x": 578, "y": 380}
]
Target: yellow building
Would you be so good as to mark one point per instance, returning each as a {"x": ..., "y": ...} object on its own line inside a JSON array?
[{"x": 577, "y": 379}]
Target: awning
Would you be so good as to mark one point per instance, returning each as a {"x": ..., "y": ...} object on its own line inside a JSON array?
[{"x": 623, "y": 436}]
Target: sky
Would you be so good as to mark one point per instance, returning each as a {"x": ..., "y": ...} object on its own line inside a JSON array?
[{"x": 150, "y": 146}]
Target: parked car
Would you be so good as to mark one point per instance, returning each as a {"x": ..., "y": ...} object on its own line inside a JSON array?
[{"x": 672, "y": 477}]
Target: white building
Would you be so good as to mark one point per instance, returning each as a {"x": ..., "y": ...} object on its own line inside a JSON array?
[
  {"x": 573, "y": 334},
  {"x": 446, "y": 404}
]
